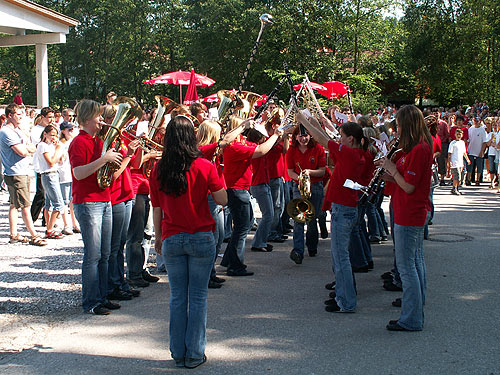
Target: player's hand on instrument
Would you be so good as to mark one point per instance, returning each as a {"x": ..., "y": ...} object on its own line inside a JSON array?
[
  {"x": 133, "y": 146},
  {"x": 111, "y": 156}
]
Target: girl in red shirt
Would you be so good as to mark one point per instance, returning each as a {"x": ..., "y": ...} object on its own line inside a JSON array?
[
  {"x": 180, "y": 184},
  {"x": 348, "y": 156},
  {"x": 411, "y": 175},
  {"x": 306, "y": 155},
  {"x": 92, "y": 206}
]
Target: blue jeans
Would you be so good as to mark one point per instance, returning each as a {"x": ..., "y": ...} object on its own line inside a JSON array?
[
  {"x": 135, "y": 236},
  {"x": 476, "y": 164},
  {"x": 116, "y": 266},
  {"x": 287, "y": 193},
  {"x": 66, "y": 191},
  {"x": 278, "y": 196},
  {"x": 342, "y": 224},
  {"x": 360, "y": 252},
  {"x": 262, "y": 193},
  {"x": 238, "y": 202},
  {"x": 95, "y": 220},
  {"x": 411, "y": 267},
  {"x": 312, "y": 237},
  {"x": 217, "y": 213},
  {"x": 375, "y": 229},
  {"x": 189, "y": 259},
  {"x": 53, "y": 195}
]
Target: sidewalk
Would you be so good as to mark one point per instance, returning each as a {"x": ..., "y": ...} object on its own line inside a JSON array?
[{"x": 274, "y": 322}]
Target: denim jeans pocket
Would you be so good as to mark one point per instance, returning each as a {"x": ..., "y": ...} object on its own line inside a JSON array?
[{"x": 203, "y": 245}]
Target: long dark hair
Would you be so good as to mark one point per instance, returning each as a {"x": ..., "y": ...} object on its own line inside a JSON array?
[
  {"x": 412, "y": 128},
  {"x": 179, "y": 151},
  {"x": 354, "y": 129}
]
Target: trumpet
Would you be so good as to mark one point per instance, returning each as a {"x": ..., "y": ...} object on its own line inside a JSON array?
[{"x": 145, "y": 143}]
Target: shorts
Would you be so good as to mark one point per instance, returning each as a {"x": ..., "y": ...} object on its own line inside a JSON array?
[
  {"x": 456, "y": 173},
  {"x": 492, "y": 166},
  {"x": 19, "y": 190}
]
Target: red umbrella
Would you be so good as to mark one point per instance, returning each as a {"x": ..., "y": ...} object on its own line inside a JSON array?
[
  {"x": 314, "y": 85},
  {"x": 180, "y": 78},
  {"x": 261, "y": 101},
  {"x": 211, "y": 98},
  {"x": 334, "y": 89},
  {"x": 191, "y": 94}
]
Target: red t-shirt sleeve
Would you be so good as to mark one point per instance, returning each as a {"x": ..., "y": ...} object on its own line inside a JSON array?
[{"x": 214, "y": 182}]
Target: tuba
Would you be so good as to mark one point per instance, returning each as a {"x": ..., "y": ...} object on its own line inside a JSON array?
[
  {"x": 301, "y": 209},
  {"x": 127, "y": 110}
]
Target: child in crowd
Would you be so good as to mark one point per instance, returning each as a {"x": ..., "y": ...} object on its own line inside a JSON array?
[
  {"x": 456, "y": 154},
  {"x": 48, "y": 154}
]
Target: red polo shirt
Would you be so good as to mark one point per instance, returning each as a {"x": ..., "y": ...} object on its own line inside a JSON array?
[
  {"x": 275, "y": 161},
  {"x": 313, "y": 158},
  {"x": 237, "y": 161},
  {"x": 349, "y": 164},
  {"x": 121, "y": 188},
  {"x": 188, "y": 213},
  {"x": 83, "y": 150},
  {"x": 415, "y": 167}
]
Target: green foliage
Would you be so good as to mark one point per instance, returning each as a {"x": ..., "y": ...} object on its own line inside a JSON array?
[{"x": 447, "y": 51}]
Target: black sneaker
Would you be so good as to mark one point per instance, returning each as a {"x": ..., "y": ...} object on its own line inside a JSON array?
[
  {"x": 214, "y": 285},
  {"x": 138, "y": 283},
  {"x": 134, "y": 292},
  {"x": 219, "y": 280},
  {"x": 396, "y": 302},
  {"x": 119, "y": 295},
  {"x": 330, "y": 301},
  {"x": 391, "y": 287},
  {"x": 148, "y": 277},
  {"x": 241, "y": 272},
  {"x": 111, "y": 305},
  {"x": 332, "y": 294},
  {"x": 330, "y": 286},
  {"x": 99, "y": 310},
  {"x": 387, "y": 275},
  {"x": 295, "y": 256}
]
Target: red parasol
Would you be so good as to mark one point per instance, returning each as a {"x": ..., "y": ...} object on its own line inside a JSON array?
[
  {"x": 180, "y": 77},
  {"x": 334, "y": 89},
  {"x": 314, "y": 85},
  {"x": 211, "y": 99},
  {"x": 191, "y": 94}
]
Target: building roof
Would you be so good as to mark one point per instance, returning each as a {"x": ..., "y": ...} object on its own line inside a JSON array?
[{"x": 44, "y": 11}]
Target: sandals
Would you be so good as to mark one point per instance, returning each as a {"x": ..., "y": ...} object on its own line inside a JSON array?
[
  {"x": 67, "y": 231},
  {"x": 37, "y": 241},
  {"x": 76, "y": 230},
  {"x": 53, "y": 235},
  {"x": 18, "y": 238}
]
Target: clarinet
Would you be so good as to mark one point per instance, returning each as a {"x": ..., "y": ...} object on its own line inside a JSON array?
[
  {"x": 377, "y": 184},
  {"x": 264, "y": 106},
  {"x": 349, "y": 98}
]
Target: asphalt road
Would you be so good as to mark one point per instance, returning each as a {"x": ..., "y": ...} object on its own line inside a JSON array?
[{"x": 275, "y": 323}]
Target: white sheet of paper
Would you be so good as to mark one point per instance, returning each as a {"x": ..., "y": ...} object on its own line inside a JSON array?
[{"x": 341, "y": 118}]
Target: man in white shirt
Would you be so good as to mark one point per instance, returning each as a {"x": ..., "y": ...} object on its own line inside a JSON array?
[
  {"x": 15, "y": 149},
  {"x": 476, "y": 147}
]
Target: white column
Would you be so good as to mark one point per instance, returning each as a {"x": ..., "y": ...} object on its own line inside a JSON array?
[{"x": 42, "y": 76}]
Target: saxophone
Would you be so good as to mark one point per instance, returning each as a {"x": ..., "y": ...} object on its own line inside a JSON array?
[{"x": 127, "y": 110}]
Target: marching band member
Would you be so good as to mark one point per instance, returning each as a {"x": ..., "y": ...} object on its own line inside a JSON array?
[
  {"x": 411, "y": 175},
  {"x": 348, "y": 157},
  {"x": 237, "y": 160},
  {"x": 92, "y": 206},
  {"x": 207, "y": 137},
  {"x": 122, "y": 195},
  {"x": 180, "y": 184},
  {"x": 304, "y": 154}
]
